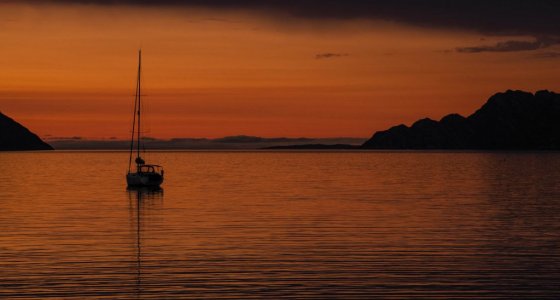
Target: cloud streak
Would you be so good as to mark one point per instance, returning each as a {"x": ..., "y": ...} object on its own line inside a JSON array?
[
  {"x": 512, "y": 46},
  {"x": 330, "y": 55}
]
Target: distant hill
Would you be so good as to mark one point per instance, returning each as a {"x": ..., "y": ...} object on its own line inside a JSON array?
[
  {"x": 15, "y": 137},
  {"x": 241, "y": 142},
  {"x": 314, "y": 147},
  {"x": 514, "y": 120}
]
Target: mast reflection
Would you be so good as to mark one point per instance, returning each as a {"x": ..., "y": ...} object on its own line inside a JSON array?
[{"x": 140, "y": 200}]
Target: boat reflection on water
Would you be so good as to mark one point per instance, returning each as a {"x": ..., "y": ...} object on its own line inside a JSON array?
[{"x": 141, "y": 199}]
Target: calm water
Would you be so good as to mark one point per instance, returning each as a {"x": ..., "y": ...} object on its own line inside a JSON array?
[{"x": 270, "y": 225}]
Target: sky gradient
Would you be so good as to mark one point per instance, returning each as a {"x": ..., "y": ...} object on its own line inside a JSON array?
[{"x": 281, "y": 69}]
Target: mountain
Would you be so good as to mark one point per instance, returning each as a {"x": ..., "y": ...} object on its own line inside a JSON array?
[
  {"x": 15, "y": 137},
  {"x": 514, "y": 120}
]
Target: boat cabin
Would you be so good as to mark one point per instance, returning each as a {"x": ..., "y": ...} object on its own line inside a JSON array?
[{"x": 150, "y": 169}]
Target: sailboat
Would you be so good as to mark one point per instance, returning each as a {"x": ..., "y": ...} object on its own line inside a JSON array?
[{"x": 145, "y": 175}]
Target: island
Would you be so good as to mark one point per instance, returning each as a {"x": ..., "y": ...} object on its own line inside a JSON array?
[
  {"x": 314, "y": 147},
  {"x": 15, "y": 137}
]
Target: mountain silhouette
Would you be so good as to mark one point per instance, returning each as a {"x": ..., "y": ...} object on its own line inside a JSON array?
[
  {"x": 514, "y": 120},
  {"x": 15, "y": 137}
]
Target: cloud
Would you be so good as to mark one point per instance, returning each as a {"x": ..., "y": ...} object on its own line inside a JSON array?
[
  {"x": 513, "y": 46},
  {"x": 330, "y": 55},
  {"x": 504, "y": 17},
  {"x": 550, "y": 54}
]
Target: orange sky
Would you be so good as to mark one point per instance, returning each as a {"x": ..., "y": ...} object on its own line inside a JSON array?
[{"x": 69, "y": 70}]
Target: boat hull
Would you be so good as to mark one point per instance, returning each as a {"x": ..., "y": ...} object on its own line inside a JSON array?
[{"x": 144, "y": 179}]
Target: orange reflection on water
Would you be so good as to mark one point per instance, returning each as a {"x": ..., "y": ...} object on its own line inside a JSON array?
[{"x": 277, "y": 224}]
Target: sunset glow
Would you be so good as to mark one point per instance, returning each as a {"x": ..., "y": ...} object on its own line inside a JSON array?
[{"x": 69, "y": 70}]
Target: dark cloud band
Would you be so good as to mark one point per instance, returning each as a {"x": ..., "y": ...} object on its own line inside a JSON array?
[{"x": 505, "y": 17}]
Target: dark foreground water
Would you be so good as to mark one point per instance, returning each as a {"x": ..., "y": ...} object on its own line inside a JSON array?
[{"x": 271, "y": 225}]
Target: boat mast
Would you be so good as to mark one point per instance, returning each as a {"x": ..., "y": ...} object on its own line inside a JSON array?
[
  {"x": 136, "y": 108},
  {"x": 139, "y": 103}
]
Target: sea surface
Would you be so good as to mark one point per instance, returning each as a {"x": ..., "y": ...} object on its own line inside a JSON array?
[{"x": 348, "y": 225}]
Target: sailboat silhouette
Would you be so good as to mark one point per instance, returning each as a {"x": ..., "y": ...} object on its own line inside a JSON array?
[{"x": 145, "y": 175}]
